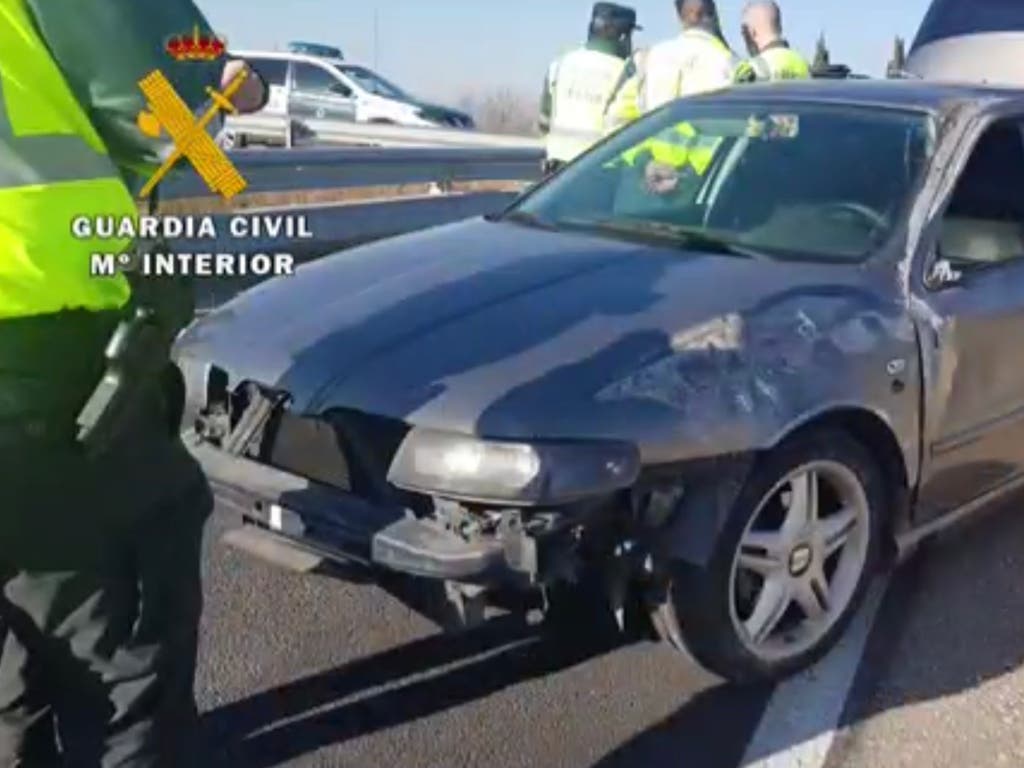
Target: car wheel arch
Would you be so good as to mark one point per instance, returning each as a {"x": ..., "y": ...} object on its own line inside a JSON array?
[
  {"x": 690, "y": 534},
  {"x": 874, "y": 432}
]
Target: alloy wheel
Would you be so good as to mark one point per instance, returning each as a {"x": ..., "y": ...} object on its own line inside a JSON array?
[{"x": 799, "y": 561}]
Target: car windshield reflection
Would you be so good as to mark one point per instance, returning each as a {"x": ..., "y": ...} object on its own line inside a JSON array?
[{"x": 822, "y": 182}]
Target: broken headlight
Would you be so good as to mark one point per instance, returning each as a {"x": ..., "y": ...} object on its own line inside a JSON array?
[{"x": 515, "y": 473}]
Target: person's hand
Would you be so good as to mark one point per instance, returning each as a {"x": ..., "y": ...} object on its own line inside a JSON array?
[
  {"x": 660, "y": 178},
  {"x": 252, "y": 96}
]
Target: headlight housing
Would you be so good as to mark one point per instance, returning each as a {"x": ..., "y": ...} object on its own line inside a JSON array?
[{"x": 515, "y": 473}]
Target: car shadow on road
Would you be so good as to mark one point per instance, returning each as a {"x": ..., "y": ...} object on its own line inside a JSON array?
[
  {"x": 434, "y": 674},
  {"x": 951, "y": 620},
  {"x": 396, "y": 686}
]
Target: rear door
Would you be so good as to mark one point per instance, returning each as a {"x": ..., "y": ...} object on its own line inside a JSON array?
[
  {"x": 318, "y": 93},
  {"x": 977, "y": 41},
  {"x": 975, "y": 338}
]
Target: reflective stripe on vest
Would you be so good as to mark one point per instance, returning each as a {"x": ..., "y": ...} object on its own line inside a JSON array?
[
  {"x": 53, "y": 167},
  {"x": 781, "y": 63},
  {"x": 624, "y": 106},
  {"x": 584, "y": 83}
]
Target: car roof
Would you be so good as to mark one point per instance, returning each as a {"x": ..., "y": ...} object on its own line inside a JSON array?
[
  {"x": 916, "y": 95},
  {"x": 293, "y": 56}
]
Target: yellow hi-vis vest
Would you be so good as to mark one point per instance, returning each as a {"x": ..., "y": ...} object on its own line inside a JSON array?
[
  {"x": 680, "y": 146},
  {"x": 624, "y": 106},
  {"x": 779, "y": 62},
  {"x": 694, "y": 62},
  {"x": 53, "y": 168},
  {"x": 582, "y": 84}
]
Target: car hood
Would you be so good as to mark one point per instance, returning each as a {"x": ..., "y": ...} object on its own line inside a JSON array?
[
  {"x": 437, "y": 112},
  {"x": 507, "y": 331}
]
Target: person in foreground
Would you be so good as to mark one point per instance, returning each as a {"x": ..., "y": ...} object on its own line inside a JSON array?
[{"x": 99, "y": 530}]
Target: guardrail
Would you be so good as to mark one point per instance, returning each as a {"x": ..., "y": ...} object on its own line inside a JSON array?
[
  {"x": 247, "y": 129},
  {"x": 286, "y": 170},
  {"x": 389, "y": 211}
]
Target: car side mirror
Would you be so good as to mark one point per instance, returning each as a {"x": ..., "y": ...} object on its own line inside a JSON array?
[
  {"x": 943, "y": 274},
  {"x": 340, "y": 89}
]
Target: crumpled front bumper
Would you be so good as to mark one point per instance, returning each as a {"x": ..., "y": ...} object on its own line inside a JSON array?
[{"x": 342, "y": 527}]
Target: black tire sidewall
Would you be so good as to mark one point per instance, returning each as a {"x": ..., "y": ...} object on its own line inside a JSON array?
[{"x": 701, "y": 596}]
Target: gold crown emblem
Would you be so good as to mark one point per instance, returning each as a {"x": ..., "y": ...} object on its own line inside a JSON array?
[{"x": 197, "y": 47}]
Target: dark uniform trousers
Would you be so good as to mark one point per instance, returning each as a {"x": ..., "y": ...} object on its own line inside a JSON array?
[{"x": 100, "y": 589}]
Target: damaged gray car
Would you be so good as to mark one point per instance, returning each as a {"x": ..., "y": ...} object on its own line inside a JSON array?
[{"x": 726, "y": 366}]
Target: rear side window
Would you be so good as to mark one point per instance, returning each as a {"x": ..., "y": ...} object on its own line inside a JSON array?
[
  {"x": 949, "y": 18},
  {"x": 273, "y": 71}
]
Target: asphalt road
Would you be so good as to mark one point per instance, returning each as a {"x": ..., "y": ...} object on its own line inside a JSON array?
[
  {"x": 307, "y": 670},
  {"x": 942, "y": 682}
]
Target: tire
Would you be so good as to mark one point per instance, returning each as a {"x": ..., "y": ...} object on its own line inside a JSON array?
[{"x": 708, "y": 601}]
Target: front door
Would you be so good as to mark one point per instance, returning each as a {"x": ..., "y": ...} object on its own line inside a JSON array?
[
  {"x": 318, "y": 94},
  {"x": 974, "y": 408}
]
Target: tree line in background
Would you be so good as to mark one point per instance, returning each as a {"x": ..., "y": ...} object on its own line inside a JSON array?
[
  {"x": 508, "y": 111},
  {"x": 822, "y": 66}
]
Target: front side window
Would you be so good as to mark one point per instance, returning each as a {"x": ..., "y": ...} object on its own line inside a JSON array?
[
  {"x": 984, "y": 222},
  {"x": 373, "y": 83},
  {"x": 310, "y": 78},
  {"x": 799, "y": 181}
]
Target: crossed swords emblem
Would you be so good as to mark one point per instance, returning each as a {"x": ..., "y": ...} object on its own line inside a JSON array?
[{"x": 168, "y": 112}]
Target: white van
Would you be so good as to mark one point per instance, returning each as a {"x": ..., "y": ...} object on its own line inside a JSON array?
[
  {"x": 970, "y": 41},
  {"x": 306, "y": 86}
]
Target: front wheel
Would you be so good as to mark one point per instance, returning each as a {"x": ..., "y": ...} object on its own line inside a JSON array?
[{"x": 791, "y": 564}]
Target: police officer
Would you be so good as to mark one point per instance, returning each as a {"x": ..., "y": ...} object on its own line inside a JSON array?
[
  {"x": 696, "y": 61},
  {"x": 581, "y": 83},
  {"x": 99, "y": 531},
  {"x": 771, "y": 56}
]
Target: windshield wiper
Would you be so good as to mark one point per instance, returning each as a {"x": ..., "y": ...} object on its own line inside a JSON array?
[
  {"x": 523, "y": 217},
  {"x": 662, "y": 233}
]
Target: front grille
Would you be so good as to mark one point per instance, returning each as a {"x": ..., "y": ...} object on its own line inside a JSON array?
[{"x": 345, "y": 449}]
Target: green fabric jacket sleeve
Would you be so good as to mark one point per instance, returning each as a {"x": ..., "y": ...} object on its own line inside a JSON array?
[{"x": 104, "y": 47}]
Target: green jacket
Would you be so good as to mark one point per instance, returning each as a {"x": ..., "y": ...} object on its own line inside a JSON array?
[{"x": 104, "y": 47}]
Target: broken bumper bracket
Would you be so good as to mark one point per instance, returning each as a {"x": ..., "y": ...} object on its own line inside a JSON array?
[{"x": 345, "y": 528}]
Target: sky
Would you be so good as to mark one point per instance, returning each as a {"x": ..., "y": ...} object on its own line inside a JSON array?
[{"x": 445, "y": 49}]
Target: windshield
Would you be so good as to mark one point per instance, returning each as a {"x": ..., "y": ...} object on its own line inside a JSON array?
[
  {"x": 818, "y": 182},
  {"x": 374, "y": 83}
]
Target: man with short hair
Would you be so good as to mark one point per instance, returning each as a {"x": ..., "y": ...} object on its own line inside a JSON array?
[
  {"x": 693, "y": 62},
  {"x": 581, "y": 83},
  {"x": 771, "y": 56}
]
